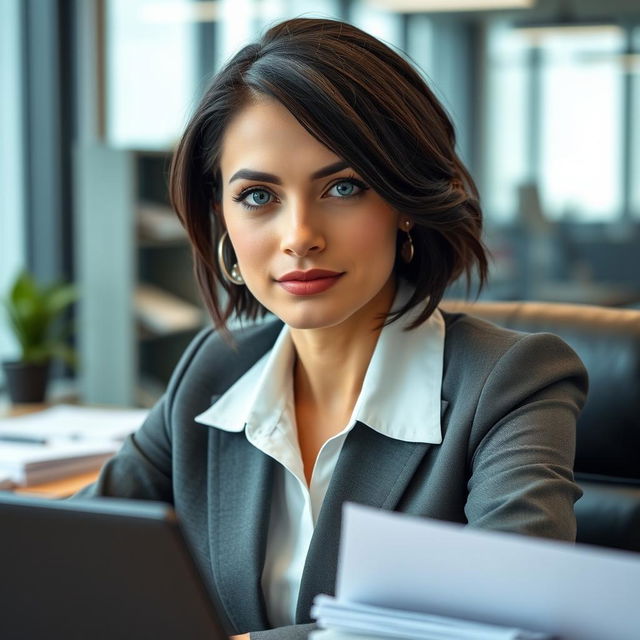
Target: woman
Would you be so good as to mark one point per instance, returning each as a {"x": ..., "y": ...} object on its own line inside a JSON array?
[{"x": 318, "y": 180}]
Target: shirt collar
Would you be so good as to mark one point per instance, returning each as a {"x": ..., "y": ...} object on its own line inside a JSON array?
[
  {"x": 260, "y": 396},
  {"x": 401, "y": 392},
  {"x": 400, "y": 396}
]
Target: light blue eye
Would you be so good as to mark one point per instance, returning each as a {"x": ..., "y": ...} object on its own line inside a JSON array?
[
  {"x": 259, "y": 197},
  {"x": 344, "y": 189}
]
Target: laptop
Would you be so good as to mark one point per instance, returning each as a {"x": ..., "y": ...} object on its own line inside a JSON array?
[{"x": 102, "y": 569}]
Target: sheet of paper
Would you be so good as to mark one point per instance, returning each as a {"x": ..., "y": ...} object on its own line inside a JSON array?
[
  {"x": 335, "y": 634},
  {"x": 416, "y": 564},
  {"x": 28, "y": 464},
  {"x": 69, "y": 422},
  {"x": 395, "y": 623}
]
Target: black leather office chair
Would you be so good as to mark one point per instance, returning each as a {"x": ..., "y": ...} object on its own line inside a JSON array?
[{"x": 607, "y": 465}]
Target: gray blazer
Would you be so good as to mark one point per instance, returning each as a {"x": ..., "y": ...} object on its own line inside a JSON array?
[{"x": 509, "y": 400}]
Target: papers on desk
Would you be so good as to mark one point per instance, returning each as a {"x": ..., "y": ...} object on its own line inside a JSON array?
[
  {"x": 69, "y": 422},
  {"x": 394, "y": 623},
  {"x": 421, "y": 568},
  {"x": 28, "y": 464},
  {"x": 62, "y": 441}
]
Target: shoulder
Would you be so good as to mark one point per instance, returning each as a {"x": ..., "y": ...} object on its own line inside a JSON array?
[
  {"x": 212, "y": 363},
  {"x": 484, "y": 343},
  {"x": 210, "y": 348},
  {"x": 497, "y": 365},
  {"x": 464, "y": 331}
]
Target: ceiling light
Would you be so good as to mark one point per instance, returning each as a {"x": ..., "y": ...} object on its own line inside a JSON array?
[
  {"x": 172, "y": 12},
  {"x": 566, "y": 23},
  {"x": 537, "y": 32},
  {"x": 424, "y": 6}
]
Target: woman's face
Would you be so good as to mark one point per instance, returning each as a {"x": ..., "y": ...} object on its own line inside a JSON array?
[{"x": 315, "y": 245}]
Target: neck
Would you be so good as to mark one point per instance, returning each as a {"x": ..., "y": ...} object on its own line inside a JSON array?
[{"x": 332, "y": 362}]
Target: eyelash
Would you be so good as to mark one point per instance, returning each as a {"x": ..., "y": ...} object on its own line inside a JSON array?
[{"x": 243, "y": 195}]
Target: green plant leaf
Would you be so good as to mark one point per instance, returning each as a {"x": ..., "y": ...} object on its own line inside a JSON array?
[
  {"x": 34, "y": 316},
  {"x": 18, "y": 329},
  {"x": 24, "y": 288},
  {"x": 59, "y": 297},
  {"x": 37, "y": 353}
]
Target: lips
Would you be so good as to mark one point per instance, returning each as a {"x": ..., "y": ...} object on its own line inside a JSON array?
[
  {"x": 305, "y": 276},
  {"x": 306, "y": 283}
]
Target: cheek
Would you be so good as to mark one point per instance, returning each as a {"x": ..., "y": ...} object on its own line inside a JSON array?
[
  {"x": 375, "y": 235},
  {"x": 253, "y": 245},
  {"x": 248, "y": 246}
]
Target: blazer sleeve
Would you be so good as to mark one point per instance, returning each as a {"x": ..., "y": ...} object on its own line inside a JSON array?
[
  {"x": 523, "y": 447},
  {"x": 142, "y": 469}
]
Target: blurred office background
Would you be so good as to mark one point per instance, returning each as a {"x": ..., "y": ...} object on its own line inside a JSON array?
[{"x": 94, "y": 94}]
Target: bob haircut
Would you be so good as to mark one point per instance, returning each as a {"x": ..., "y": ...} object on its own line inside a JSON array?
[{"x": 372, "y": 109}]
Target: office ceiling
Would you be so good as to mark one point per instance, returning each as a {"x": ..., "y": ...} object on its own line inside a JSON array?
[{"x": 554, "y": 9}]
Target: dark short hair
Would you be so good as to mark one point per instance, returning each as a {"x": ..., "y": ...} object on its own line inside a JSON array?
[{"x": 370, "y": 107}]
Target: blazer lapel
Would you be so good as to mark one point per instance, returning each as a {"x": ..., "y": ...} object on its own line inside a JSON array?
[
  {"x": 240, "y": 485},
  {"x": 372, "y": 470}
]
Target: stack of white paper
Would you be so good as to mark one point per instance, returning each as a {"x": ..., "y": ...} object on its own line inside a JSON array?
[
  {"x": 70, "y": 422},
  {"x": 396, "y": 573},
  {"x": 61, "y": 441},
  {"x": 28, "y": 464},
  {"x": 335, "y": 634},
  {"x": 394, "y": 623}
]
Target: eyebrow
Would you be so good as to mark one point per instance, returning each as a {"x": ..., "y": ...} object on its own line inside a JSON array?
[{"x": 250, "y": 174}]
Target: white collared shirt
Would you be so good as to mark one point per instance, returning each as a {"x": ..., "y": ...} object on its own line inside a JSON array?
[{"x": 400, "y": 398}]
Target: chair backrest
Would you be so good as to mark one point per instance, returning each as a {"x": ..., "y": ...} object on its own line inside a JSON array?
[{"x": 608, "y": 435}]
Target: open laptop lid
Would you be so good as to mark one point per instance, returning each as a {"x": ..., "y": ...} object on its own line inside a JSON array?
[{"x": 100, "y": 568}]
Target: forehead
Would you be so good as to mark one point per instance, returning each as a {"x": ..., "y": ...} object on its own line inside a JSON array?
[{"x": 264, "y": 135}]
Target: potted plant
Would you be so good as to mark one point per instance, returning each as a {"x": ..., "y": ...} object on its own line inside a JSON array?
[{"x": 35, "y": 317}]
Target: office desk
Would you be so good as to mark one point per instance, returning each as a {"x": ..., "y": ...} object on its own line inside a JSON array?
[{"x": 62, "y": 488}]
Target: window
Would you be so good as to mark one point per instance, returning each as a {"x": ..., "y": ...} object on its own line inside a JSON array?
[
  {"x": 153, "y": 58},
  {"x": 555, "y": 119},
  {"x": 633, "y": 67},
  {"x": 506, "y": 123},
  {"x": 12, "y": 243},
  {"x": 150, "y": 71},
  {"x": 581, "y": 127},
  {"x": 383, "y": 24}
]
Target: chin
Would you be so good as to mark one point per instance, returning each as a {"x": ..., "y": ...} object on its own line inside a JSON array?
[{"x": 312, "y": 319}]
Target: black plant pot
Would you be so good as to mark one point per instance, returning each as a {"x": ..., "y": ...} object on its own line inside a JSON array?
[{"x": 26, "y": 381}]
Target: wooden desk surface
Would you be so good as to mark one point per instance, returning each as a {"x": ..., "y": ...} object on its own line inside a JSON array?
[{"x": 62, "y": 488}]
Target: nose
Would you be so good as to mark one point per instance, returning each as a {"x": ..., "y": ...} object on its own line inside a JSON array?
[{"x": 302, "y": 234}]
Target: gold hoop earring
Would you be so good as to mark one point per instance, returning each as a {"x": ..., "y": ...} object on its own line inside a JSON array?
[
  {"x": 407, "y": 251},
  {"x": 234, "y": 276}
]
